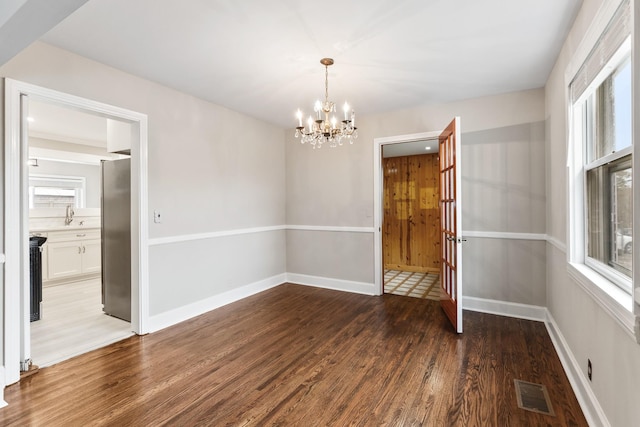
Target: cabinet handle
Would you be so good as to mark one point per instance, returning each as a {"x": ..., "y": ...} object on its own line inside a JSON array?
[
  {"x": 84, "y": 249},
  {"x": 79, "y": 249},
  {"x": 81, "y": 235}
]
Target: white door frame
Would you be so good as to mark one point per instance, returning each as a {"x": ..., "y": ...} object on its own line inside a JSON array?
[
  {"x": 16, "y": 289},
  {"x": 378, "y": 198}
]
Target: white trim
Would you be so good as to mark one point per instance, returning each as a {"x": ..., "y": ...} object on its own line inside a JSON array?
[
  {"x": 340, "y": 229},
  {"x": 557, "y": 244},
  {"x": 504, "y": 308},
  {"x": 212, "y": 235},
  {"x": 12, "y": 231},
  {"x": 586, "y": 398},
  {"x": 2, "y": 258},
  {"x": 3, "y": 403},
  {"x": 186, "y": 312},
  {"x": 334, "y": 284},
  {"x": 609, "y": 158},
  {"x": 331, "y": 229},
  {"x": 377, "y": 197},
  {"x": 504, "y": 235},
  {"x": 614, "y": 301},
  {"x": 16, "y": 262}
]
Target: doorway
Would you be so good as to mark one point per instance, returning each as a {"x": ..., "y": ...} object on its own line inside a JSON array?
[
  {"x": 17, "y": 336},
  {"x": 67, "y": 151},
  {"x": 450, "y": 207},
  {"x": 411, "y": 252}
]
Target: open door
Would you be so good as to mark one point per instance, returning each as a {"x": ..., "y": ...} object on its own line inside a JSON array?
[{"x": 450, "y": 220}]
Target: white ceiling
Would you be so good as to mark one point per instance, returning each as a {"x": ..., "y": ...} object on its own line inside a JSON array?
[
  {"x": 427, "y": 146},
  {"x": 58, "y": 123},
  {"x": 261, "y": 57}
]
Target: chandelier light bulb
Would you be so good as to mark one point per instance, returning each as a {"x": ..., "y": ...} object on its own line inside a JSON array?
[
  {"x": 299, "y": 116},
  {"x": 324, "y": 129}
]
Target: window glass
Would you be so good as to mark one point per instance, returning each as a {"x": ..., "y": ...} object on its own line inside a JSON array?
[
  {"x": 53, "y": 191},
  {"x": 608, "y": 174},
  {"x": 610, "y": 215},
  {"x": 608, "y": 126}
]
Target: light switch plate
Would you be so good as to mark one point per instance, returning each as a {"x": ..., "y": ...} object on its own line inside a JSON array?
[{"x": 156, "y": 217}]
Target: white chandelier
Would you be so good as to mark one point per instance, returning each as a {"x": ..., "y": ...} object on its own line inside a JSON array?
[{"x": 325, "y": 129}]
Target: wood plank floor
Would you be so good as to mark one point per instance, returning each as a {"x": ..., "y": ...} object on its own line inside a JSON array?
[{"x": 302, "y": 356}]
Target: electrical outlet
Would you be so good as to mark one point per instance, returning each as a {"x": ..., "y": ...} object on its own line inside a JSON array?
[
  {"x": 589, "y": 369},
  {"x": 156, "y": 217}
]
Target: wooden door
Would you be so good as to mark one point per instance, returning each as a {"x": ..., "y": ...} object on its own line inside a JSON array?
[{"x": 450, "y": 221}]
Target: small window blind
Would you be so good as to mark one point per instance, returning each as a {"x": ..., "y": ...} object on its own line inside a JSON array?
[{"x": 614, "y": 35}]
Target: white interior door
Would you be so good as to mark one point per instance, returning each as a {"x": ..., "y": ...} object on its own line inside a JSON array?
[{"x": 451, "y": 226}]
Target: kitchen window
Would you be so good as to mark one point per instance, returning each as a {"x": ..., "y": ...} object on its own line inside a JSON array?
[{"x": 53, "y": 191}]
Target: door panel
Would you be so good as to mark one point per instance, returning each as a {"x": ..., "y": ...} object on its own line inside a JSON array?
[
  {"x": 91, "y": 256},
  {"x": 451, "y": 230},
  {"x": 65, "y": 259}
]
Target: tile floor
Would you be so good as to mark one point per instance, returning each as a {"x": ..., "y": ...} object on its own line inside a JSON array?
[
  {"x": 417, "y": 285},
  {"x": 73, "y": 323}
]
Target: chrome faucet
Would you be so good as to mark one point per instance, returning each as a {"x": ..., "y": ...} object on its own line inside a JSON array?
[{"x": 69, "y": 215}]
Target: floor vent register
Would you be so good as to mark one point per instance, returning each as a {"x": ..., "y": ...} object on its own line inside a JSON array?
[{"x": 533, "y": 397}]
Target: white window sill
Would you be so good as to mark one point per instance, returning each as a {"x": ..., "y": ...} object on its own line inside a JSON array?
[{"x": 616, "y": 302}]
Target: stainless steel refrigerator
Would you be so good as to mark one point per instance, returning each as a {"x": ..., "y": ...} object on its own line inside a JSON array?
[{"x": 116, "y": 238}]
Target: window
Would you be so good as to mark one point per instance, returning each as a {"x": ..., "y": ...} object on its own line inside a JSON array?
[
  {"x": 603, "y": 149},
  {"x": 51, "y": 191},
  {"x": 608, "y": 176}
]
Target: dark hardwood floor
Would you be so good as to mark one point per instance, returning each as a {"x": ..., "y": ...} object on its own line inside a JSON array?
[{"x": 301, "y": 356}]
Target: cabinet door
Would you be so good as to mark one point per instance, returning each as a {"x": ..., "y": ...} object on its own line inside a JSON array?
[
  {"x": 91, "y": 259},
  {"x": 65, "y": 259}
]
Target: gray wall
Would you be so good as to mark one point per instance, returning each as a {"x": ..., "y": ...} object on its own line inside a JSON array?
[
  {"x": 590, "y": 332},
  {"x": 210, "y": 169},
  {"x": 503, "y": 191}
]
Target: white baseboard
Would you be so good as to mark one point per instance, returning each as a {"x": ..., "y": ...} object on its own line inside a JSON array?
[
  {"x": 329, "y": 283},
  {"x": 180, "y": 314},
  {"x": 2, "y": 401},
  {"x": 503, "y": 308},
  {"x": 588, "y": 402}
]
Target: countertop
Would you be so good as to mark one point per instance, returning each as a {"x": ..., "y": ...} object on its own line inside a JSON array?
[{"x": 62, "y": 228}]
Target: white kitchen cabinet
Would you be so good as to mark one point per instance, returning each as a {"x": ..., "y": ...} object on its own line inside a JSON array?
[
  {"x": 65, "y": 259},
  {"x": 91, "y": 256},
  {"x": 72, "y": 254}
]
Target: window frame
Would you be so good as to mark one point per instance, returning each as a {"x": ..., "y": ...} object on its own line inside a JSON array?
[
  {"x": 76, "y": 183},
  {"x": 618, "y": 303}
]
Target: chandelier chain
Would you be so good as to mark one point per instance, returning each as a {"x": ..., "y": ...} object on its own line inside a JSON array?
[{"x": 326, "y": 83}]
